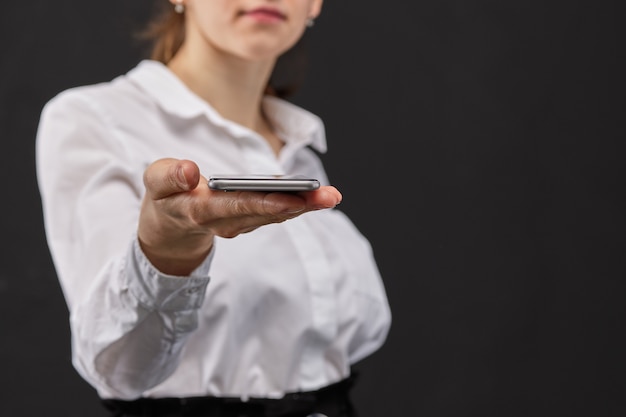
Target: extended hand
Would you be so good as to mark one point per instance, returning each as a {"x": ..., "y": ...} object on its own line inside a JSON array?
[{"x": 180, "y": 215}]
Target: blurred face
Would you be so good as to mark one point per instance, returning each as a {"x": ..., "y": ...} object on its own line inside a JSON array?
[{"x": 248, "y": 29}]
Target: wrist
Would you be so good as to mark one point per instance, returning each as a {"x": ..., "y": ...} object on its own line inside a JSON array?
[{"x": 176, "y": 259}]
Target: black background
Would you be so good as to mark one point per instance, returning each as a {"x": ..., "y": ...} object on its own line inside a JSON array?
[{"x": 478, "y": 144}]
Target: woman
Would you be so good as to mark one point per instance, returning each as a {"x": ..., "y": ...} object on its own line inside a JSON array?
[{"x": 188, "y": 301}]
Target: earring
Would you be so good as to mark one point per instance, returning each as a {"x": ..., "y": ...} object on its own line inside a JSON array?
[
  {"x": 179, "y": 7},
  {"x": 310, "y": 22}
]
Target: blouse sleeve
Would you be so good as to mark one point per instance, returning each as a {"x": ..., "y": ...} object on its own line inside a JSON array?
[{"x": 129, "y": 322}]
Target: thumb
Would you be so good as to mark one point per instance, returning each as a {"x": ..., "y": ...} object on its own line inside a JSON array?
[{"x": 169, "y": 176}]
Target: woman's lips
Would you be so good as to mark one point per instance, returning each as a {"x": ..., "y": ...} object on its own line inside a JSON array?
[{"x": 265, "y": 15}]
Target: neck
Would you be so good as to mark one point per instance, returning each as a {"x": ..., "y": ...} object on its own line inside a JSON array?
[{"x": 232, "y": 86}]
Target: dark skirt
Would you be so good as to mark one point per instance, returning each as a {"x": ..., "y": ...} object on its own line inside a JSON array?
[{"x": 331, "y": 401}]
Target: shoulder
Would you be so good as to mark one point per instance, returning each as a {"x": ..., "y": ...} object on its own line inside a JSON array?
[{"x": 120, "y": 91}]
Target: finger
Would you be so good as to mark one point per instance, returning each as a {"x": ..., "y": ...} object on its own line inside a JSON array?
[
  {"x": 254, "y": 204},
  {"x": 322, "y": 198},
  {"x": 278, "y": 204},
  {"x": 233, "y": 213},
  {"x": 169, "y": 176},
  {"x": 281, "y": 204}
]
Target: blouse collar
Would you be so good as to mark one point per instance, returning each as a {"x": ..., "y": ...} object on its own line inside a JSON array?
[{"x": 293, "y": 124}]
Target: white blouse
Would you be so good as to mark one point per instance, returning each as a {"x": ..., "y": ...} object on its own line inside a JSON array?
[{"x": 286, "y": 307}]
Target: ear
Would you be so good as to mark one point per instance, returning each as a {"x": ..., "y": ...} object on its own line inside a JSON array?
[{"x": 316, "y": 8}]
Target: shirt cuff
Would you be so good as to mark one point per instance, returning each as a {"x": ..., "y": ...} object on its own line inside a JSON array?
[{"x": 162, "y": 292}]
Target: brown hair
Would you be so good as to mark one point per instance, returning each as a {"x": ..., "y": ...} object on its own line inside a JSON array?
[{"x": 166, "y": 34}]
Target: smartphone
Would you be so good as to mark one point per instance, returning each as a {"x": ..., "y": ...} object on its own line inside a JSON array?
[{"x": 284, "y": 183}]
